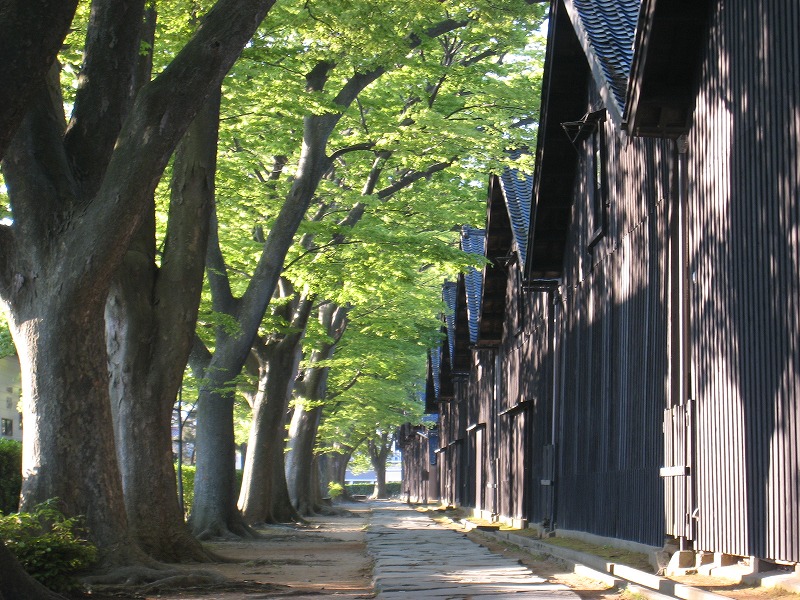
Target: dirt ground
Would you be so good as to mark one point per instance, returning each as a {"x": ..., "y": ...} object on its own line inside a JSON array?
[{"x": 328, "y": 559}]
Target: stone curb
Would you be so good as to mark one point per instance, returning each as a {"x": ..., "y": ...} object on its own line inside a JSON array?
[{"x": 621, "y": 577}]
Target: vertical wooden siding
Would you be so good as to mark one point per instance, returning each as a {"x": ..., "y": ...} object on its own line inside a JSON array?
[
  {"x": 744, "y": 206},
  {"x": 536, "y": 388},
  {"x": 420, "y": 477},
  {"x": 615, "y": 382}
]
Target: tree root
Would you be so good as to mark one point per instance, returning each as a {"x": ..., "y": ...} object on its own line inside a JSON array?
[
  {"x": 176, "y": 545},
  {"x": 144, "y": 581},
  {"x": 187, "y": 580},
  {"x": 221, "y": 531}
]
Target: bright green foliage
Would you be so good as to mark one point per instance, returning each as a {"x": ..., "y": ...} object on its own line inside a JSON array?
[
  {"x": 6, "y": 343},
  {"x": 10, "y": 475},
  {"x": 450, "y": 100},
  {"x": 49, "y": 546},
  {"x": 187, "y": 477},
  {"x": 359, "y": 462},
  {"x": 443, "y": 114},
  {"x": 335, "y": 490}
]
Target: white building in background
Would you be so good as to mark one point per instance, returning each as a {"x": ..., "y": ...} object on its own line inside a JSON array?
[
  {"x": 393, "y": 471},
  {"x": 10, "y": 390}
]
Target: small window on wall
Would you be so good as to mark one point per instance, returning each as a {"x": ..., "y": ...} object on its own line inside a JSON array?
[
  {"x": 6, "y": 427},
  {"x": 596, "y": 184},
  {"x": 588, "y": 137}
]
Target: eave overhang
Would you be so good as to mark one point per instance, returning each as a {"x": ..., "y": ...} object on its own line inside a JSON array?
[
  {"x": 663, "y": 84},
  {"x": 564, "y": 93}
]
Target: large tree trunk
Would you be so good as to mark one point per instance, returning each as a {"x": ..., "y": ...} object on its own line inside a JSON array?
[
  {"x": 379, "y": 491},
  {"x": 378, "y": 453},
  {"x": 78, "y": 195},
  {"x": 301, "y": 473},
  {"x": 214, "y": 512},
  {"x": 16, "y": 584},
  {"x": 300, "y": 464},
  {"x": 150, "y": 319},
  {"x": 66, "y": 409},
  {"x": 264, "y": 497},
  {"x": 335, "y": 468}
]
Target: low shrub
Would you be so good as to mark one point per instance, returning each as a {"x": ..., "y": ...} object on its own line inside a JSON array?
[
  {"x": 187, "y": 472},
  {"x": 335, "y": 490},
  {"x": 10, "y": 475},
  {"x": 49, "y": 546},
  {"x": 365, "y": 489}
]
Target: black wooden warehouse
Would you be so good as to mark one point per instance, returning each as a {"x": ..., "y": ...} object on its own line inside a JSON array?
[{"x": 628, "y": 365}]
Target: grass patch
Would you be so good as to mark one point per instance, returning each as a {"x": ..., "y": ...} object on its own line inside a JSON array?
[{"x": 637, "y": 560}]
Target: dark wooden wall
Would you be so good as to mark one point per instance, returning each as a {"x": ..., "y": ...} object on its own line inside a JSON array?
[
  {"x": 419, "y": 472},
  {"x": 744, "y": 212},
  {"x": 614, "y": 338},
  {"x": 581, "y": 402}
]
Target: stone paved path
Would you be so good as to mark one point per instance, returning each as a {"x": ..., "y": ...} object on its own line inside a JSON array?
[{"x": 416, "y": 559}]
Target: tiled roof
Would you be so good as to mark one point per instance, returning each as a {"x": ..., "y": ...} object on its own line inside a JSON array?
[
  {"x": 473, "y": 241},
  {"x": 450, "y": 295},
  {"x": 610, "y": 26},
  {"x": 517, "y": 189},
  {"x": 436, "y": 367}
]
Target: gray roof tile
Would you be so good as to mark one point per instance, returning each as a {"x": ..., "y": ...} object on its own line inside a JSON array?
[
  {"x": 473, "y": 241},
  {"x": 436, "y": 368},
  {"x": 517, "y": 189},
  {"x": 610, "y": 26},
  {"x": 449, "y": 295}
]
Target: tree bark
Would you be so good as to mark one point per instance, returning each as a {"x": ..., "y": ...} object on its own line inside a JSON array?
[
  {"x": 214, "y": 512},
  {"x": 16, "y": 584},
  {"x": 66, "y": 410},
  {"x": 336, "y": 469},
  {"x": 378, "y": 453},
  {"x": 264, "y": 496},
  {"x": 78, "y": 198},
  {"x": 300, "y": 464},
  {"x": 31, "y": 33},
  {"x": 150, "y": 318}
]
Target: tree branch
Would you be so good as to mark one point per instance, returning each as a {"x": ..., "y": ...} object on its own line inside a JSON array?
[
  {"x": 412, "y": 177},
  {"x": 31, "y": 33},
  {"x": 349, "y": 385},
  {"x": 199, "y": 358},
  {"x": 162, "y": 111},
  {"x": 180, "y": 279},
  {"x": 111, "y": 57},
  {"x": 353, "y": 148},
  {"x": 37, "y": 171},
  {"x": 222, "y": 298}
]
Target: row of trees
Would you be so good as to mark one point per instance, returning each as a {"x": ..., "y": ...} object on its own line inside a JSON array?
[{"x": 267, "y": 192}]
